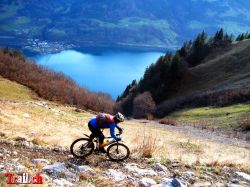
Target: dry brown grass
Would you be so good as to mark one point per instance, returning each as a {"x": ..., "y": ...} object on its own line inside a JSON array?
[
  {"x": 1, "y": 133},
  {"x": 28, "y": 164},
  {"x": 146, "y": 145},
  {"x": 62, "y": 129},
  {"x": 244, "y": 121},
  {"x": 168, "y": 121},
  {"x": 38, "y": 141}
]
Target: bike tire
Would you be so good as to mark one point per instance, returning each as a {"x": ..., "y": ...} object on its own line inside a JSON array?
[
  {"x": 117, "y": 146},
  {"x": 86, "y": 143}
]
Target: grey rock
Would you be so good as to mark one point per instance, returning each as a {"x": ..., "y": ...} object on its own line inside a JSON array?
[
  {"x": 2, "y": 150},
  {"x": 26, "y": 115},
  {"x": 160, "y": 167},
  {"x": 146, "y": 182},
  {"x": 55, "y": 168},
  {"x": 27, "y": 144},
  {"x": 202, "y": 184},
  {"x": 40, "y": 160},
  {"x": 235, "y": 181},
  {"x": 166, "y": 181},
  {"x": 244, "y": 175},
  {"x": 15, "y": 153},
  {"x": 84, "y": 168},
  {"x": 58, "y": 149},
  {"x": 116, "y": 175},
  {"x": 70, "y": 176},
  {"x": 19, "y": 167},
  {"x": 90, "y": 185},
  {"x": 140, "y": 172},
  {"x": 2, "y": 167},
  {"x": 187, "y": 175},
  {"x": 177, "y": 183},
  {"x": 61, "y": 183}
]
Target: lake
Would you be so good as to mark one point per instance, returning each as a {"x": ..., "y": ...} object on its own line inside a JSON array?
[{"x": 105, "y": 71}]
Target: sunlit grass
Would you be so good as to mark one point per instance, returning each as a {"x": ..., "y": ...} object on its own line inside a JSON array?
[
  {"x": 12, "y": 91},
  {"x": 225, "y": 117}
]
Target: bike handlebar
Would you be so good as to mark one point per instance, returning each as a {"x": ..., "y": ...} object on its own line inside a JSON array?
[{"x": 116, "y": 135}]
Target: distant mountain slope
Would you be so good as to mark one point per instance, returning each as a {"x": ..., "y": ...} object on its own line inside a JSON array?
[
  {"x": 132, "y": 23},
  {"x": 222, "y": 78},
  {"x": 225, "y": 69}
]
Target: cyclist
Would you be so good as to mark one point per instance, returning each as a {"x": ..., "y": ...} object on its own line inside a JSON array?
[{"x": 103, "y": 121}]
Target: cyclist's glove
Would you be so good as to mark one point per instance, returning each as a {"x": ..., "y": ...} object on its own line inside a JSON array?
[
  {"x": 118, "y": 139},
  {"x": 120, "y": 131}
]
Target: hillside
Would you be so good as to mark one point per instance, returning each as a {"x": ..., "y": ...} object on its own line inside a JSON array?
[
  {"x": 50, "y": 85},
  {"x": 203, "y": 72},
  {"x": 10, "y": 90},
  {"x": 224, "y": 69},
  {"x": 35, "y": 136},
  {"x": 48, "y": 27}
]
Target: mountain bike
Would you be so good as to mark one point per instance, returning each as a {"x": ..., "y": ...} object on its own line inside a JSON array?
[{"x": 83, "y": 147}]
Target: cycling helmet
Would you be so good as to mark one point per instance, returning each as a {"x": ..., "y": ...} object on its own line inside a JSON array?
[{"x": 119, "y": 117}]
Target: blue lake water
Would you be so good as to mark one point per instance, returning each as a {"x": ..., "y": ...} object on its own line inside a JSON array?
[{"x": 108, "y": 72}]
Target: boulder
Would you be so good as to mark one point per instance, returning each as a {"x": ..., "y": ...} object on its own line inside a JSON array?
[
  {"x": 244, "y": 175},
  {"x": 84, "y": 168},
  {"x": 161, "y": 168},
  {"x": 116, "y": 175},
  {"x": 40, "y": 161},
  {"x": 55, "y": 169},
  {"x": 140, "y": 172},
  {"x": 146, "y": 182},
  {"x": 177, "y": 183},
  {"x": 62, "y": 183}
]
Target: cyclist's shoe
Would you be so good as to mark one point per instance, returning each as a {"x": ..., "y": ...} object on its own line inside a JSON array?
[{"x": 102, "y": 150}]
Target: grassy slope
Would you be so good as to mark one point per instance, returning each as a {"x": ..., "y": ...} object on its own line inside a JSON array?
[
  {"x": 47, "y": 124},
  {"x": 224, "y": 69},
  {"x": 228, "y": 68},
  {"x": 223, "y": 117},
  {"x": 13, "y": 91}
]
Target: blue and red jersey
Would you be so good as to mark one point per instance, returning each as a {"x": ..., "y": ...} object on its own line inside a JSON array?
[{"x": 108, "y": 124}]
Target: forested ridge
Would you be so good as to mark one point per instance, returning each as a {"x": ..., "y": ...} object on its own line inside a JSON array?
[{"x": 162, "y": 81}]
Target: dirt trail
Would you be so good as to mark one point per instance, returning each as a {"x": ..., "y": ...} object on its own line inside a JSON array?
[{"x": 228, "y": 138}]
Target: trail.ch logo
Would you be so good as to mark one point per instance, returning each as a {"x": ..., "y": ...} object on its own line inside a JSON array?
[{"x": 24, "y": 178}]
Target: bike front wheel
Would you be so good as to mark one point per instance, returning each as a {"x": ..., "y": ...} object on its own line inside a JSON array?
[
  {"x": 118, "y": 152},
  {"x": 82, "y": 147}
]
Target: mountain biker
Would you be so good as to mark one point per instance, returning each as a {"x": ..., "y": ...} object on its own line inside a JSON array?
[{"x": 103, "y": 121}]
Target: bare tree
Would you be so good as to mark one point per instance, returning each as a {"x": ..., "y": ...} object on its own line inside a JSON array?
[{"x": 143, "y": 105}]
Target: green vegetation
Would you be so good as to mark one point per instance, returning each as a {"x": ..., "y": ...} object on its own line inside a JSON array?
[
  {"x": 126, "y": 23},
  {"x": 225, "y": 117},
  {"x": 203, "y": 72},
  {"x": 13, "y": 91}
]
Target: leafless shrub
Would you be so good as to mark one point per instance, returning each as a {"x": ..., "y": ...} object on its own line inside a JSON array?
[
  {"x": 50, "y": 85},
  {"x": 143, "y": 105},
  {"x": 146, "y": 145},
  {"x": 244, "y": 121},
  {"x": 209, "y": 98},
  {"x": 168, "y": 121}
]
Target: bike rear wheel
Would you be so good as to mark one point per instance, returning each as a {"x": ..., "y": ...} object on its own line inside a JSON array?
[
  {"x": 118, "y": 152},
  {"x": 82, "y": 147}
]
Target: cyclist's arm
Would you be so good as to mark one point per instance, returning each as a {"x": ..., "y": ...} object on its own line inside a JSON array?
[
  {"x": 119, "y": 128},
  {"x": 112, "y": 131}
]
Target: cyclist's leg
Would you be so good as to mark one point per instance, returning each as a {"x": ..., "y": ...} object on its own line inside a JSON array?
[
  {"x": 96, "y": 132},
  {"x": 93, "y": 132}
]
